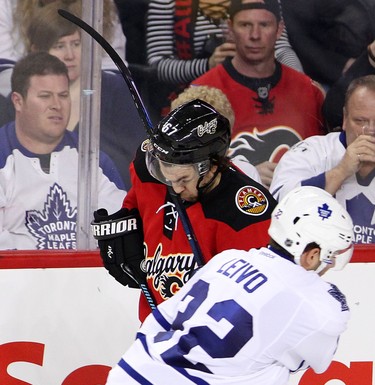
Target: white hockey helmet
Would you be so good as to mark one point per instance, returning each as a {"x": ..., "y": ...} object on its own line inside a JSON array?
[{"x": 309, "y": 214}]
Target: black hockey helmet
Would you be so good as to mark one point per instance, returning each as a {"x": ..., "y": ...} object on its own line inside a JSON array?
[{"x": 193, "y": 132}]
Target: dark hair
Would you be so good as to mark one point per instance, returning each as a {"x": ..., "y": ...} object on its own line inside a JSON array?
[
  {"x": 272, "y": 6},
  {"x": 276, "y": 246},
  {"x": 367, "y": 81},
  {"x": 34, "y": 64}
]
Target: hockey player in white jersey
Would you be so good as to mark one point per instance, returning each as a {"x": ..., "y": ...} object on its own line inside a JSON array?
[{"x": 253, "y": 317}]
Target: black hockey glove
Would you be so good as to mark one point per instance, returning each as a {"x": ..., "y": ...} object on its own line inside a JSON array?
[{"x": 120, "y": 240}]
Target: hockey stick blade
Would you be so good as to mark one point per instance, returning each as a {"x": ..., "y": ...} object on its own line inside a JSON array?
[
  {"x": 122, "y": 67},
  {"x": 142, "y": 283}
]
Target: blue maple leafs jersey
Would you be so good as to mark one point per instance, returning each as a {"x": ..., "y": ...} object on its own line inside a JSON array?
[
  {"x": 38, "y": 210},
  {"x": 244, "y": 318}
]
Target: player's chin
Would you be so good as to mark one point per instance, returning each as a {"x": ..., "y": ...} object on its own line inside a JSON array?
[{"x": 189, "y": 198}]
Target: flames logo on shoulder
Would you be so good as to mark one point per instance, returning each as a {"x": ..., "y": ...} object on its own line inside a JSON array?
[{"x": 251, "y": 201}]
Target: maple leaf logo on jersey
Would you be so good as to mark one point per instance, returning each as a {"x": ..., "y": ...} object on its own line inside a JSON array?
[
  {"x": 55, "y": 227},
  {"x": 324, "y": 211}
]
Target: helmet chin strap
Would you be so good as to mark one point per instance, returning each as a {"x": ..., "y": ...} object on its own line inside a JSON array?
[
  {"x": 321, "y": 267},
  {"x": 203, "y": 189},
  {"x": 325, "y": 262}
]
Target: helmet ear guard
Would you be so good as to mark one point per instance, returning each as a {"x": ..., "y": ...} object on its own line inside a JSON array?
[{"x": 309, "y": 214}]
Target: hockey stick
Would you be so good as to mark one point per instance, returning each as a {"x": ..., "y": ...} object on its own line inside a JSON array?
[
  {"x": 148, "y": 125},
  {"x": 124, "y": 70},
  {"x": 188, "y": 228},
  {"x": 135, "y": 95}
]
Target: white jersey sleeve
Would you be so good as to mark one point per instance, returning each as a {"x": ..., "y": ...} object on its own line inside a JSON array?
[
  {"x": 318, "y": 350},
  {"x": 246, "y": 167},
  {"x": 309, "y": 158},
  {"x": 307, "y": 162}
]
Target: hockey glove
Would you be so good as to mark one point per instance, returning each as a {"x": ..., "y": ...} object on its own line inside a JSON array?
[{"x": 120, "y": 240}]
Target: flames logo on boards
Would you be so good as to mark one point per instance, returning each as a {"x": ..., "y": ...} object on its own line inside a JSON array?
[{"x": 251, "y": 201}]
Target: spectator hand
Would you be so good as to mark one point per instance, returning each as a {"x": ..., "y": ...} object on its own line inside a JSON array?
[
  {"x": 220, "y": 53},
  {"x": 266, "y": 170},
  {"x": 360, "y": 152}
]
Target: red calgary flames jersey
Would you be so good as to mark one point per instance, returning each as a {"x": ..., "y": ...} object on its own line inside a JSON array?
[
  {"x": 234, "y": 215},
  {"x": 271, "y": 114}
]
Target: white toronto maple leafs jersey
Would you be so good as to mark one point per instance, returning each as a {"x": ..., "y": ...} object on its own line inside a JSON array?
[
  {"x": 38, "y": 210},
  {"x": 306, "y": 164},
  {"x": 244, "y": 318}
]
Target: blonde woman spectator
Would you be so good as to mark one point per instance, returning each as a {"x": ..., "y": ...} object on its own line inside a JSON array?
[{"x": 15, "y": 17}]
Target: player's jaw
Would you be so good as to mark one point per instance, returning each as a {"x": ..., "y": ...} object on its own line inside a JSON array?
[{"x": 186, "y": 192}]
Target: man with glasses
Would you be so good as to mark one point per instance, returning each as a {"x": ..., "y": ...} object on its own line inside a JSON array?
[{"x": 342, "y": 163}]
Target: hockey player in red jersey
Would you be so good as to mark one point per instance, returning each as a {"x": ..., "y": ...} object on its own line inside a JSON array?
[
  {"x": 253, "y": 317},
  {"x": 184, "y": 157}
]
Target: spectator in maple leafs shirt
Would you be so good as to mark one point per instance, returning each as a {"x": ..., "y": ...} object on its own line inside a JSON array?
[
  {"x": 39, "y": 161},
  {"x": 341, "y": 162}
]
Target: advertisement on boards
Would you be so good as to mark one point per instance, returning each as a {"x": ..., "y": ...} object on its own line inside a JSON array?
[{"x": 69, "y": 326}]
